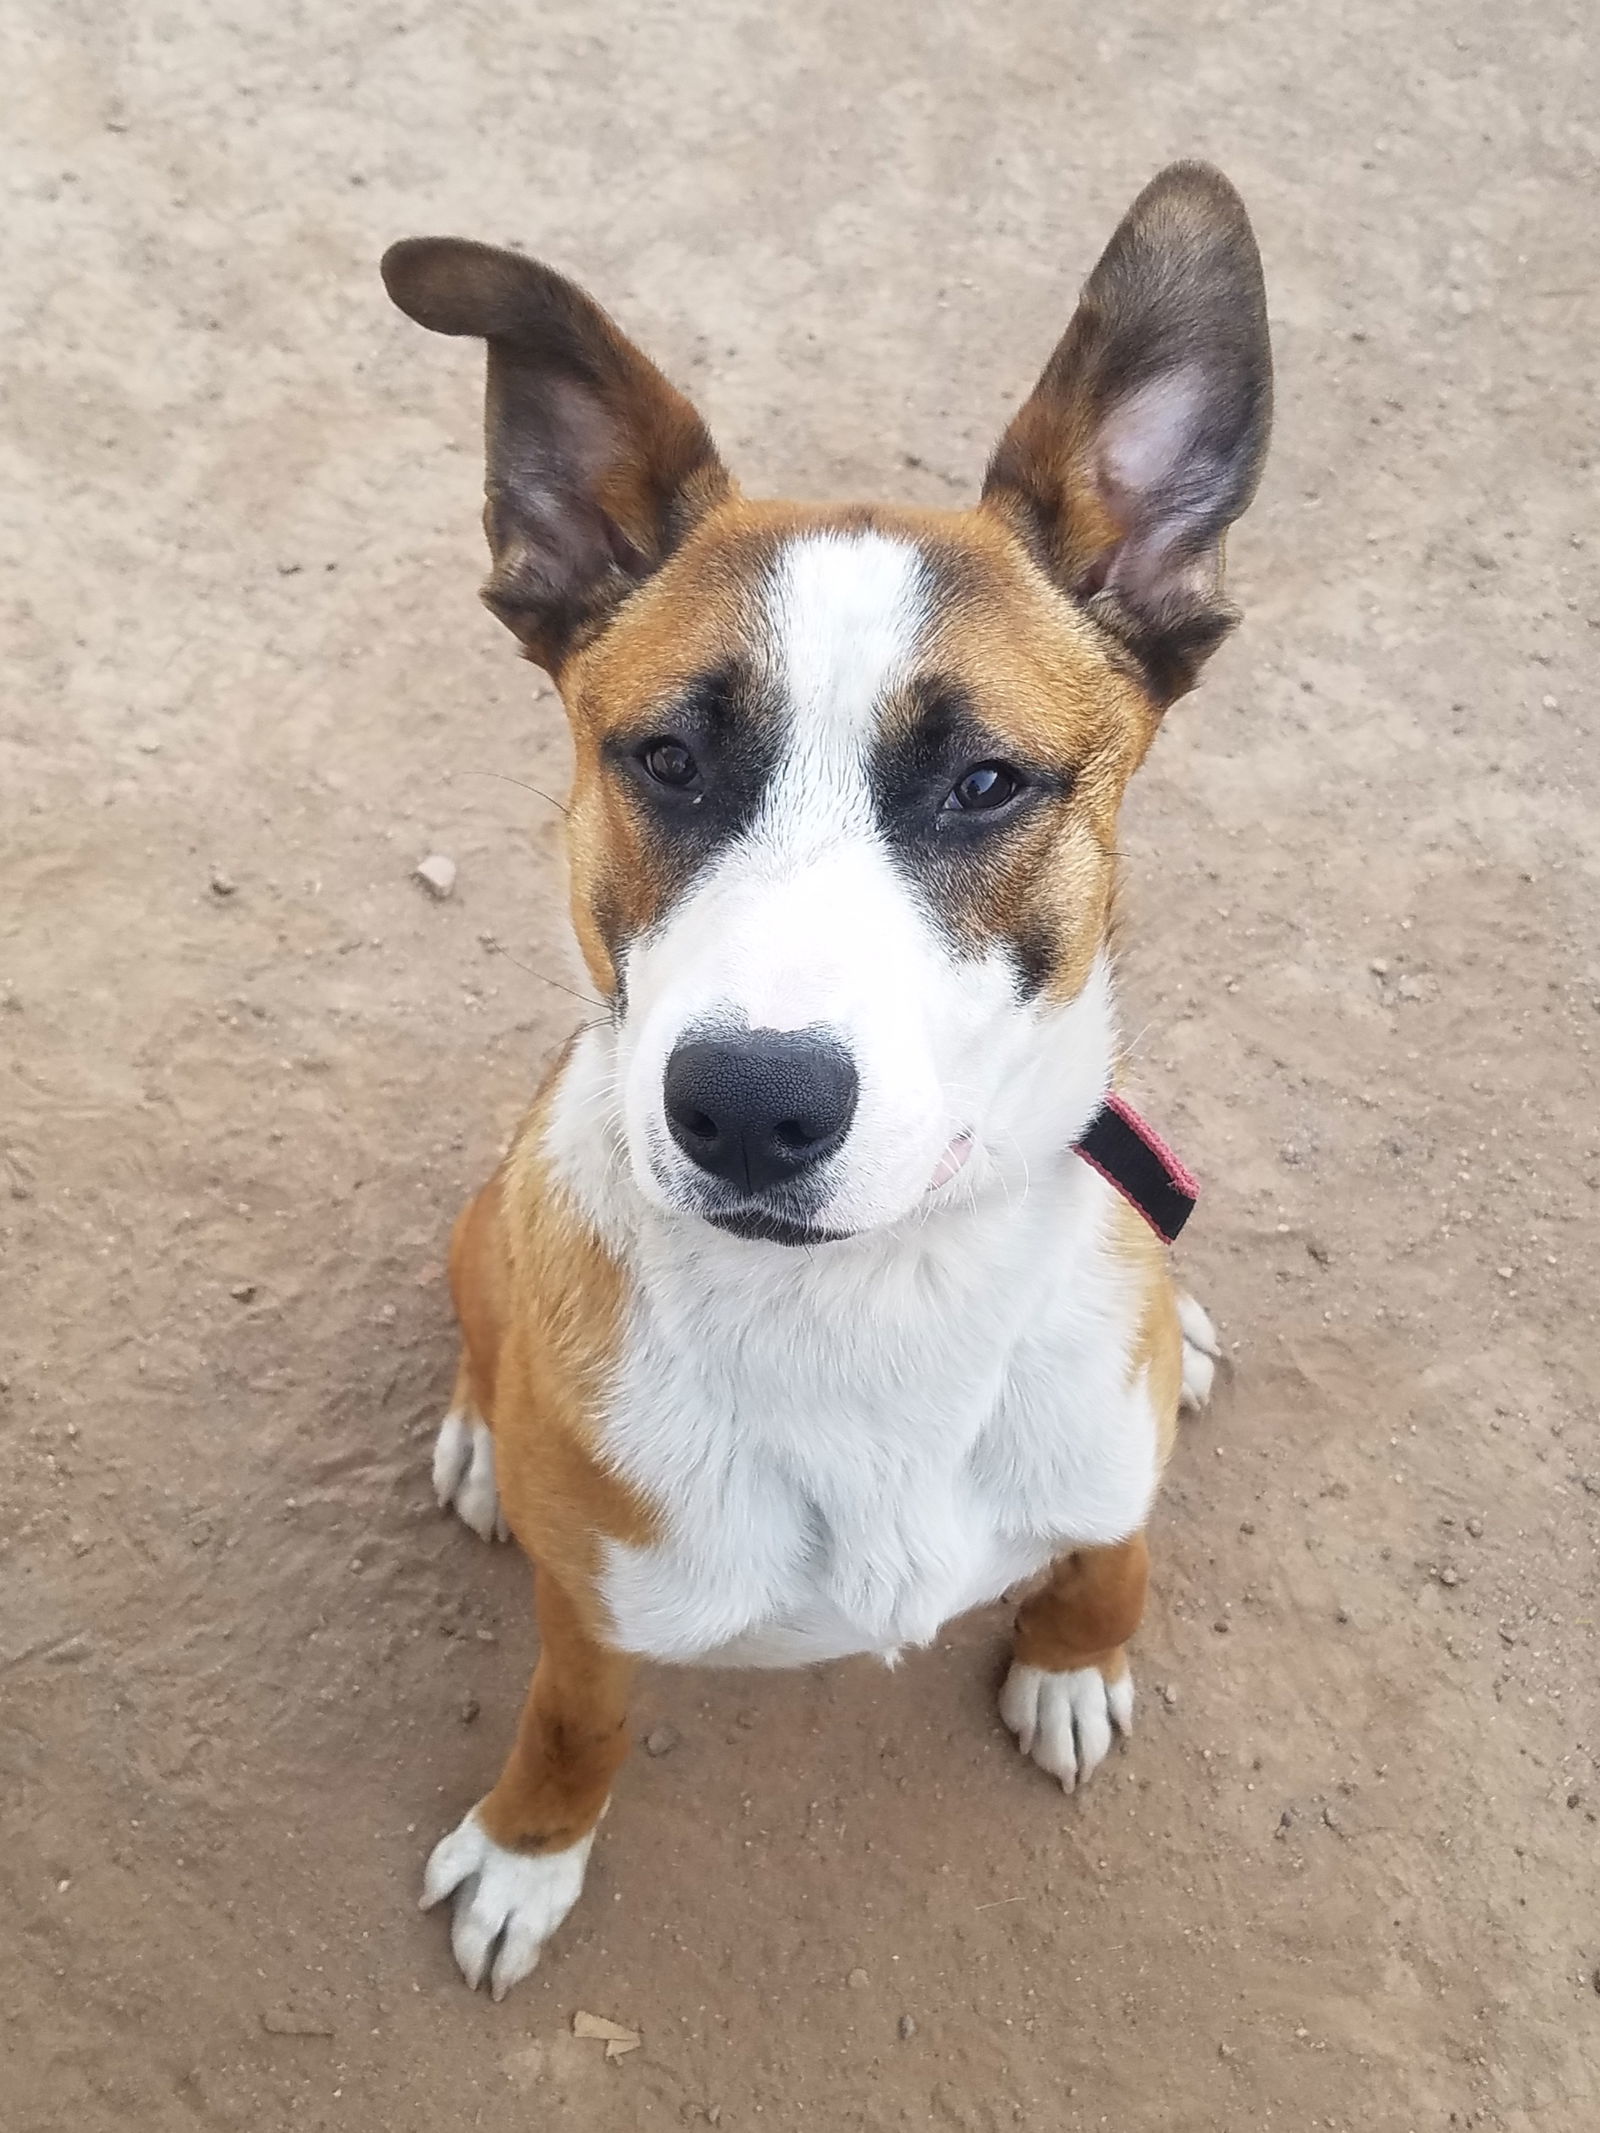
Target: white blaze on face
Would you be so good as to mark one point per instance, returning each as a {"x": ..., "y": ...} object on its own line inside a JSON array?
[{"x": 805, "y": 921}]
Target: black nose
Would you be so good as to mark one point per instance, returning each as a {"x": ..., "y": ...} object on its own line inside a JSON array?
[{"x": 761, "y": 1107}]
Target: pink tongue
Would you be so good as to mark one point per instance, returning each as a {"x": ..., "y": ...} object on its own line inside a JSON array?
[{"x": 951, "y": 1161}]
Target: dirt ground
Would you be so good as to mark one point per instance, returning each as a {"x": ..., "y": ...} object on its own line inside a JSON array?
[{"x": 1347, "y": 1874}]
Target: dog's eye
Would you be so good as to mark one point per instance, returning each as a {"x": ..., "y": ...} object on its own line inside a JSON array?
[
  {"x": 669, "y": 763},
  {"x": 984, "y": 785}
]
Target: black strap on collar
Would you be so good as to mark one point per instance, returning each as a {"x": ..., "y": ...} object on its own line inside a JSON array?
[{"x": 1132, "y": 1156}]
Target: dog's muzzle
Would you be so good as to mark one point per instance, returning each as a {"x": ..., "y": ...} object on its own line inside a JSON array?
[{"x": 759, "y": 1112}]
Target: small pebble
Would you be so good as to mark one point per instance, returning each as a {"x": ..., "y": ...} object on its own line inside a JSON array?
[
  {"x": 1475, "y": 1528},
  {"x": 243, "y": 1292},
  {"x": 907, "y": 2027},
  {"x": 1222, "y": 1625},
  {"x": 857, "y": 1980},
  {"x": 437, "y": 875},
  {"x": 662, "y": 1739},
  {"x": 469, "y": 1710},
  {"x": 1169, "y": 1695},
  {"x": 1343, "y": 1616},
  {"x": 222, "y": 884},
  {"x": 1447, "y": 1576},
  {"x": 1379, "y": 966}
]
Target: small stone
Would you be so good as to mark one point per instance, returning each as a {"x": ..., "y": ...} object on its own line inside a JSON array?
[
  {"x": 243, "y": 1292},
  {"x": 858, "y": 1979},
  {"x": 1222, "y": 1625},
  {"x": 1447, "y": 1576},
  {"x": 1550, "y": 703},
  {"x": 907, "y": 2027},
  {"x": 437, "y": 875},
  {"x": 469, "y": 1710},
  {"x": 1475, "y": 1528},
  {"x": 1332, "y": 1821},
  {"x": 1169, "y": 1695},
  {"x": 662, "y": 1739},
  {"x": 1574, "y": 1799},
  {"x": 1379, "y": 966},
  {"x": 1224, "y": 2051},
  {"x": 1247, "y": 1526},
  {"x": 1342, "y": 1617},
  {"x": 147, "y": 743},
  {"x": 1595, "y": 1980}
]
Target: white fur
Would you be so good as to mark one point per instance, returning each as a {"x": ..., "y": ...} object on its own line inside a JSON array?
[
  {"x": 805, "y": 920},
  {"x": 1065, "y": 1721},
  {"x": 463, "y": 1473},
  {"x": 849, "y": 1444},
  {"x": 507, "y": 1903},
  {"x": 1202, "y": 1351}
]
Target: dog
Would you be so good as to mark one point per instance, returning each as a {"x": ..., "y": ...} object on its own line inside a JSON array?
[{"x": 805, "y": 1312}]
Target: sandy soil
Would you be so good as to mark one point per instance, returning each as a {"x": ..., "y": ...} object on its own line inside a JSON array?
[{"x": 1346, "y": 1877}]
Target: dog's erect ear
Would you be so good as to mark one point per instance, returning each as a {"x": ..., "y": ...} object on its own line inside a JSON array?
[
  {"x": 1144, "y": 438},
  {"x": 596, "y": 466}
]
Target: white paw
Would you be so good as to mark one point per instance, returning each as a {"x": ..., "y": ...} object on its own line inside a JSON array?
[
  {"x": 1065, "y": 1721},
  {"x": 513, "y": 1899},
  {"x": 463, "y": 1473},
  {"x": 1201, "y": 1353}
]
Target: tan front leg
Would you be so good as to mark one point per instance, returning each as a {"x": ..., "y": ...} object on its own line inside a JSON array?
[
  {"x": 1069, "y": 1683},
  {"x": 516, "y": 1863}
]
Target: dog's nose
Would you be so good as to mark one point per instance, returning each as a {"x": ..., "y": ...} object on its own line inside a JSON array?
[{"x": 761, "y": 1107}]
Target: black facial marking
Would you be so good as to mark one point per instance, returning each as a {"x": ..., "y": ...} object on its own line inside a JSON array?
[
  {"x": 694, "y": 769},
  {"x": 1034, "y": 954},
  {"x": 953, "y": 801}
]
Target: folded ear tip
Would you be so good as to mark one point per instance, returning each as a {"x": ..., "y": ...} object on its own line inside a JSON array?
[
  {"x": 452, "y": 285},
  {"x": 416, "y": 273}
]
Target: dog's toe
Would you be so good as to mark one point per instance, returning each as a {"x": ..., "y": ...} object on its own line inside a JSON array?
[
  {"x": 1201, "y": 1353},
  {"x": 507, "y": 1904},
  {"x": 1066, "y": 1721},
  {"x": 463, "y": 1474}
]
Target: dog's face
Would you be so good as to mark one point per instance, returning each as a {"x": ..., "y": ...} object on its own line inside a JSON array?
[{"x": 842, "y": 829}]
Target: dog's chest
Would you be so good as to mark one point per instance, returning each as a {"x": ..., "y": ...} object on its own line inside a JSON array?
[{"x": 843, "y": 1456}]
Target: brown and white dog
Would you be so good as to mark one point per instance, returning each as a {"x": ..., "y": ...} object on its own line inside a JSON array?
[{"x": 793, "y": 1325}]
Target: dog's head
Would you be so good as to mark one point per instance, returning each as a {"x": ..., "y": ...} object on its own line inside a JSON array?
[{"x": 843, "y": 821}]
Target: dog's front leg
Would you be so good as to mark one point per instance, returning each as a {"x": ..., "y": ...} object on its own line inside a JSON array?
[
  {"x": 1069, "y": 1683},
  {"x": 515, "y": 1864}
]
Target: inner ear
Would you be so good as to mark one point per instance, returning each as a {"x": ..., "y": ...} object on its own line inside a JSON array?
[
  {"x": 1145, "y": 435},
  {"x": 595, "y": 467}
]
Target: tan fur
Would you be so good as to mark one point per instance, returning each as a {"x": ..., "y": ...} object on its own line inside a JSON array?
[
  {"x": 1051, "y": 686},
  {"x": 1092, "y": 1600}
]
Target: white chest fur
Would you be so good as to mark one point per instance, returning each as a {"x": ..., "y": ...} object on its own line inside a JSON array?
[{"x": 850, "y": 1446}]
